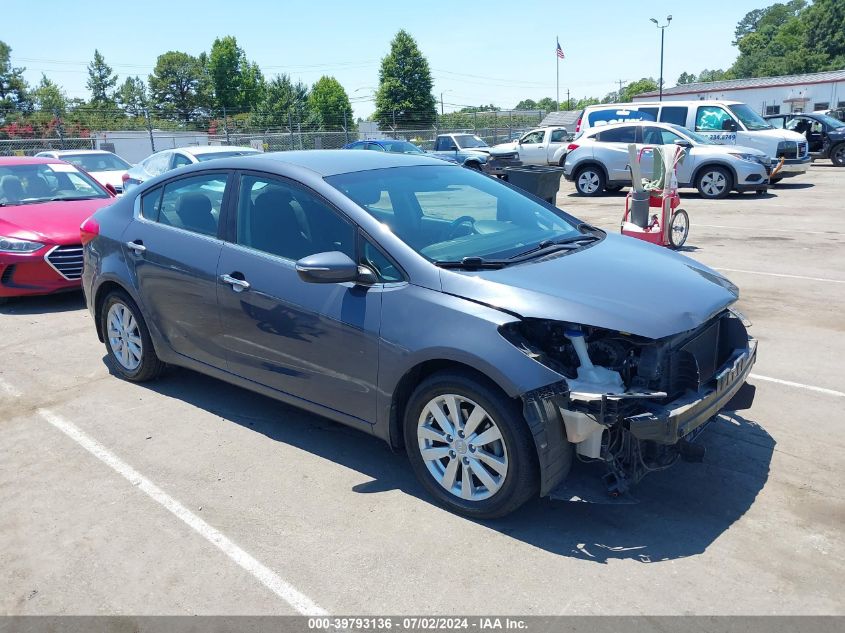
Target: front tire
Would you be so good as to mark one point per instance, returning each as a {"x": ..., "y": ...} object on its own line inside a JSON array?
[
  {"x": 127, "y": 339},
  {"x": 589, "y": 181},
  {"x": 678, "y": 229},
  {"x": 714, "y": 182},
  {"x": 470, "y": 446},
  {"x": 837, "y": 155}
]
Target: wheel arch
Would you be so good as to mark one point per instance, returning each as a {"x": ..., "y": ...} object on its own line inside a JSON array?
[
  {"x": 715, "y": 163},
  {"x": 589, "y": 162}
]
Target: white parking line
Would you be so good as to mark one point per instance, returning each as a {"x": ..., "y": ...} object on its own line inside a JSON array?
[
  {"x": 789, "y": 383},
  {"x": 284, "y": 590},
  {"x": 760, "y": 272},
  {"x": 759, "y": 228}
]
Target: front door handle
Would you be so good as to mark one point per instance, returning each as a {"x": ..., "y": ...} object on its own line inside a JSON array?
[
  {"x": 137, "y": 246},
  {"x": 238, "y": 285}
]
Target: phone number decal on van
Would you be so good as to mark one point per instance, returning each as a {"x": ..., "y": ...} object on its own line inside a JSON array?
[{"x": 717, "y": 136}]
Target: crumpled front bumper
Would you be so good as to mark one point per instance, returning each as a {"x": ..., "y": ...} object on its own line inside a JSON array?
[{"x": 667, "y": 424}]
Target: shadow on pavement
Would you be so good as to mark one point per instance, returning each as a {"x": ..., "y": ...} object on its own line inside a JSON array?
[
  {"x": 46, "y": 304},
  {"x": 682, "y": 511},
  {"x": 794, "y": 185}
]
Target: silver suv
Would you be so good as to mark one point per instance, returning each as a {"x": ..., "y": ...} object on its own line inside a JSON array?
[{"x": 597, "y": 160}]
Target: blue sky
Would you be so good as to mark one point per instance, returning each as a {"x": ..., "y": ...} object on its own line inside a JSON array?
[{"x": 479, "y": 52}]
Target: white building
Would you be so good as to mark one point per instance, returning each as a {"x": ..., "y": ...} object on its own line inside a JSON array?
[{"x": 767, "y": 95}]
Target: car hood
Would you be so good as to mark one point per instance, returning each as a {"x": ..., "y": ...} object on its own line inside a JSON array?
[
  {"x": 513, "y": 146},
  {"x": 111, "y": 177},
  {"x": 621, "y": 284},
  {"x": 51, "y": 222},
  {"x": 728, "y": 149}
]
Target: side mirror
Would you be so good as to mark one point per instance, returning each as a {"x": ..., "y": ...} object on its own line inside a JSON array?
[
  {"x": 683, "y": 143},
  {"x": 110, "y": 188},
  {"x": 729, "y": 125},
  {"x": 452, "y": 148},
  {"x": 332, "y": 267}
]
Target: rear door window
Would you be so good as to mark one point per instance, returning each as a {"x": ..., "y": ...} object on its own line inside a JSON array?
[
  {"x": 674, "y": 114},
  {"x": 194, "y": 204}
]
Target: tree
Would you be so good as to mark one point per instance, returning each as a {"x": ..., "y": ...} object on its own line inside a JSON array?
[
  {"x": 178, "y": 86},
  {"x": 714, "y": 75},
  {"x": 13, "y": 88},
  {"x": 237, "y": 83},
  {"x": 825, "y": 33},
  {"x": 49, "y": 97},
  {"x": 132, "y": 96},
  {"x": 283, "y": 102},
  {"x": 404, "y": 96},
  {"x": 330, "y": 103},
  {"x": 686, "y": 78},
  {"x": 101, "y": 81},
  {"x": 646, "y": 84},
  {"x": 526, "y": 104},
  {"x": 546, "y": 103}
]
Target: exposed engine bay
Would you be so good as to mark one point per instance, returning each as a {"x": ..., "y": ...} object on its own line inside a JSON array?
[{"x": 635, "y": 403}]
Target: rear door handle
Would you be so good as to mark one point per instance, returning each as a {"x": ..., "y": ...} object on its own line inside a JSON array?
[
  {"x": 137, "y": 246},
  {"x": 238, "y": 285}
]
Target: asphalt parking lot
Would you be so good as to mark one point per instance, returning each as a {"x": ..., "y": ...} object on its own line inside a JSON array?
[{"x": 189, "y": 496}]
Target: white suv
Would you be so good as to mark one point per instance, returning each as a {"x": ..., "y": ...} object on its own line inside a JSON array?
[{"x": 597, "y": 160}]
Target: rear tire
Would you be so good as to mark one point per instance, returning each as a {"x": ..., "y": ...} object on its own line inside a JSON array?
[
  {"x": 127, "y": 339},
  {"x": 487, "y": 443},
  {"x": 714, "y": 182},
  {"x": 837, "y": 155},
  {"x": 589, "y": 181},
  {"x": 678, "y": 229}
]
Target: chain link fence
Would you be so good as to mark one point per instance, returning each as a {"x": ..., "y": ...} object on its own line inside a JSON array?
[{"x": 135, "y": 145}]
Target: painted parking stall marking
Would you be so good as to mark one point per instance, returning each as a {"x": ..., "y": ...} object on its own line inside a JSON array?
[
  {"x": 284, "y": 590},
  {"x": 798, "y": 385},
  {"x": 805, "y": 278}
]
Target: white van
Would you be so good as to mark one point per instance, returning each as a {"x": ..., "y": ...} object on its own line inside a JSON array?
[{"x": 724, "y": 122}]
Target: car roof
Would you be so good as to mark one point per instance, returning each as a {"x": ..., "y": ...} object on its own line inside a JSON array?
[
  {"x": 328, "y": 162},
  {"x": 66, "y": 152},
  {"x": 29, "y": 160}
]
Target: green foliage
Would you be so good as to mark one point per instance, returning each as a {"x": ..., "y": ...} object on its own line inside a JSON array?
[
  {"x": 330, "y": 104},
  {"x": 179, "y": 87},
  {"x": 282, "y": 98},
  {"x": 646, "y": 84},
  {"x": 686, "y": 78},
  {"x": 13, "y": 88},
  {"x": 49, "y": 97},
  {"x": 526, "y": 104},
  {"x": 237, "y": 84},
  {"x": 132, "y": 96},
  {"x": 824, "y": 33},
  {"x": 101, "y": 81},
  {"x": 404, "y": 96}
]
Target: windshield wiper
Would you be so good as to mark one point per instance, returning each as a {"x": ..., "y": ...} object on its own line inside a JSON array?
[
  {"x": 473, "y": 263},
  {"x": 69, "y": 198},
  {"x": 567, "y": 243}
]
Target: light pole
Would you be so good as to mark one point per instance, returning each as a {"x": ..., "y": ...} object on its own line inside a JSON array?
[
  {"x": 441, "y": 100},
  {"x": 662, "y": 29}
]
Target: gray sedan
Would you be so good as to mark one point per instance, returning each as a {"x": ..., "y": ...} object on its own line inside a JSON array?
[
  {"x": 597, "y": 161},
  {"x": 486, "y": 332}
]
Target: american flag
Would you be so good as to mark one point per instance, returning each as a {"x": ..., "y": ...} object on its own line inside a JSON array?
[{"x": 560, "y": 51}]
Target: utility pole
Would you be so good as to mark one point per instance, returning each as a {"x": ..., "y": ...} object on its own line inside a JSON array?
[
  {"x": 345, "y": 127},
  {"x": 620, "y": 82},
  {"x": 662, "y": 32},
  {"x": 568, "y": 103},
  {"x": 226, "y": 125},
  {"x": 441, "y": 104}
]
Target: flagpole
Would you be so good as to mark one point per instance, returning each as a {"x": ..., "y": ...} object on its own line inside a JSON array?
[{"x": 557, "y": 74}]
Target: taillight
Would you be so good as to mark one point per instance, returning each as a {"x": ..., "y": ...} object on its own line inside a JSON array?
[
  {"x": 571, "y": 146},
  {"x": 89, "y": 230},
  {"x": 578, "y": 125},
  {"x": 125, "y": 177}
]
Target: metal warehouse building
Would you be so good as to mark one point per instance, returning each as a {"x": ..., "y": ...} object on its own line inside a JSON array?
[{"x": 767, "y": 95}]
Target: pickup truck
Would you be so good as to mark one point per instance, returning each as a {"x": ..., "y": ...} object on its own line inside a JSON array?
[
  {"x": 540, "y": 146},
  {"x": 471, "y": 151}
]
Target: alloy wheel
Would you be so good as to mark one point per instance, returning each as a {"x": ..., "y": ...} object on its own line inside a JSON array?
[
  {"x": 124, "y": 336},
  {"x": 713, "y": 183},
  {"x": 462, "y": 447},
  {"x": 588, "y": 182}
]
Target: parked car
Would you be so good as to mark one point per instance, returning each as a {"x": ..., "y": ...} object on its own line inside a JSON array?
[
  {"x": 450, "y": 334},
  {"x": 540, "y": 146},
  {"x": 725, "y": 122},
  {"x": 168, "y": 159},
  {"x": 386, "y": 145},
  {"x": 597, "y": 160},
  {"x": 836, "y": 113},
  {"x": 472, "y": 151},
  {"x": 42, "y": 203},
  {"x": 825, "y": 135},
  {"x": 107, "y": 168}
]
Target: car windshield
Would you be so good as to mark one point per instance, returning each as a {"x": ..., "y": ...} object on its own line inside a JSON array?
[
  {"x": 829, "y": 120},
  {"x": 750, "y": 119},
  {"x": 469, "y": 140},
  {"x": 447, "y": 213},
  {"x": 401, "y": 147},
  {"x": 215, "y": 155},
  {"x": 96, "y": 162},
  {"x": 29, "y": 184},
  {"x": 694, "y": 136}
]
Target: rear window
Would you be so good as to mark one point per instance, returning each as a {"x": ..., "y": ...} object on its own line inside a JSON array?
[
  {"x": 617, "y": 115},
  {"x": 674, "y": 114},
  {"x": 215, "y": 155}
]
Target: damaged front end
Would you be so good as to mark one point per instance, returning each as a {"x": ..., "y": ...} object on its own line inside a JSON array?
[{"x": 633, "y": 403}]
